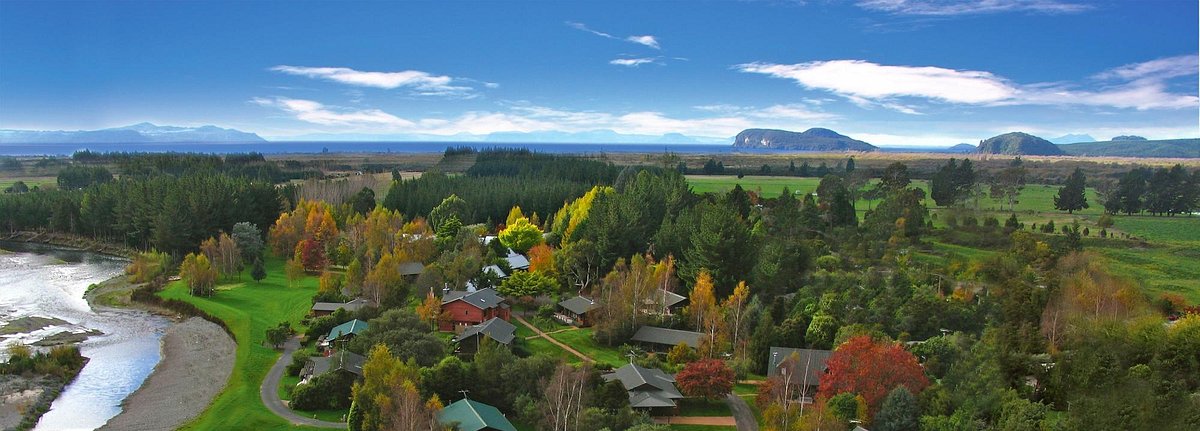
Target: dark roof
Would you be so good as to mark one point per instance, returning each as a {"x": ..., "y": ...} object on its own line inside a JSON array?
[
  {"x": 670, "y": 337},
  {"x": 482, "y": 299},
  {"x": 317, "y": 365},
  {"x": 474, "y": 416},
  {"x": 666, "y": 298},
  {"x": 647, "y": 387},
  {"x": 579, "y": 304},
  {"x": 495, "y": 328},
  {"x": 411, "y": 268},
  {"x": 812, "y": 362},
  {"x": 352, "y": 327},
  {"x": 347, "y": 361},
  {"x": 334, "y": 306},
  {"x": 517, "y": 261}
]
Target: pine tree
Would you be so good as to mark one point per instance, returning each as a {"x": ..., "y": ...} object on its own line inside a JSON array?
[
  {"x": 258, "y": 273},
  {"x": 1072, "y": 196},
  {"x": 899, "y": 412}
]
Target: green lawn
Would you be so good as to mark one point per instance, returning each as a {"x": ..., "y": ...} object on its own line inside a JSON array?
[
  {"x": 700, "y": 407},
  {"x": 41, "y": 182},
  {"x": 582, "y": 341},
  {"x": 249, "y": 308},
  {"x": 540, "y": 346}
]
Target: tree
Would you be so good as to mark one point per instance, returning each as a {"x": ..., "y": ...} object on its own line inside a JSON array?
[
  {"x": 311, "y": 254},
  {"x": 363, "y": 201},
  {"x": 249, "y": 240},
  {"x": 703, "y": 309},
  {"x": 869, "y": 368},
  {"x": 1072, "y": 196},
  {"x": 451, "y": 206},
  {"x": 294, "y": 271},
  {"x": 541, "y": 259},
  {"x": 198, "y": 273},
  {"x": 526, "y": 283},
  {"x": 899, "y": 412},
  {"x": 734, "y": 308},
  {"x": 681, "y": 354},
  {"x": 895, "y": 177},
  {"x": 383, "y": 377},
  {"x": 521, "y": 235},
  {"x": 1007, "y": 185},
  {"x": 834, "y": 200},
  {"x": 706, "y": 378},
  {"x": 565, "y": 395},
  {"x": 430, "y": 310},
  {"x": 383, "y": 279},
  {"x": 279, "y": 334},
  {"x": 258, "y": 273}
]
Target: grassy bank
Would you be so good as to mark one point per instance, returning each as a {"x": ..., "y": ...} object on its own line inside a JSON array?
[{"x": 249, "y": 308}]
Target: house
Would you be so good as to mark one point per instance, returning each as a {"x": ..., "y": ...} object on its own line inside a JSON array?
[
  {"x": 663, "y": 302},
  {"x": 468, "y": 415},
  {"x": 496, "y": 270},
  {"x": 662, "y": 339},
  {"x": 338, "y": 361},
  {"x": 648, "y": 388},
  {"x": 326, "y": 308},
  {"x": 410, "y": 270},
  {"x": 802, "y": 367},
  {"x": 516, "y": 261},
  {"x": 496, "y": 329},
  {"x": 346, "y": 331},
  {"x": 463, "y": 309},
  {"x": 576, "y": 311}
]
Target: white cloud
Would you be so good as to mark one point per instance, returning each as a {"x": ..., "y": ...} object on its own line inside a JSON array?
[
  {"x": 644, "y": 40},
  {"x": 632, "y": 62},
  {"x": 869, "y": 84},
  {"x": 420, "y": 82},
  {"x": 532, "y": 118},
  {"x": 971, "y": 7}
]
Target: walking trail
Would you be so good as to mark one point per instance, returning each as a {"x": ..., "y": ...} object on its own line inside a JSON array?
[
  {"x": 552, "y": 340},
  {"x": 269, "y": 391}
]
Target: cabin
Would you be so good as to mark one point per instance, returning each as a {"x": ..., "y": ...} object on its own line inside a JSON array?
[
  {"x": 495, "y": 329},
  {"x": 662, "y": 339},
  {"x": 495, "y": 270},
  {"x": 410, "y": 270},
  {"x": 344, "y": 332},
  {"x": 648, "y": 388},
  {"x": 340, "y": 361},
  {"x": 516, "y": 261},
  {"x": 463, "y": 309},
  {"x": 663, "y": 303},
  {"x": 326, "y": 308},
  {"x": 801, "y": 367},
  {"x": 469, "y": 415},
  {"x": 576, "y": 311}
]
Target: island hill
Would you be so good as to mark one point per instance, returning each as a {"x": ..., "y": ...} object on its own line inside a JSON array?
[
  {"x": 815, "y": 139},
  {"x": 1024, "y": 144}
]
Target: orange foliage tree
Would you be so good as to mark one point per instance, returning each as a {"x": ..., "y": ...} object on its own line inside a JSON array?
[
  {"x": 706, "y": 378},
  {"x": 871, "y": 368}
]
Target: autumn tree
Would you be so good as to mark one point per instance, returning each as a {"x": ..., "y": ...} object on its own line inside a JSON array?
[
  {"x": 430, "y": 310},
  {"x": 384, "y": 376},
  {"x": 521, "y": 235},
  {"x": 198, "y": 273},
  {"x": 330, "y": 283},
  {"x": 681, "y": 354},
  {"x": 734, "y": 308},
  {"x": 629, "y": 292},
  {"x": 706, "y": 378},
  {"x": 311, "y": 254},
  {"x": 382, "y": 279},
  {"x": 294, "y": 271},
  {"x": 704, "y": 311},
  {"x": 527, "y": 284},
  {"x": 541, "y": 259},
  {"x": 872, "y": 369}
]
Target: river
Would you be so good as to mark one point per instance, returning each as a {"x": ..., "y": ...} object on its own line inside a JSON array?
[{"x": 37, "y": 280}]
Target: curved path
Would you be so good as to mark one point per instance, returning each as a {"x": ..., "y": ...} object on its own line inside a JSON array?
[
  {"x": 269, "y": 391},
  {"x": 552, "y": 340},
  {"x": 741, "y": 413}
]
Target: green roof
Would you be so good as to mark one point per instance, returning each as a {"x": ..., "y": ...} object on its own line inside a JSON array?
[
  {"x": 352, "y": 327},
  {"x": 474, "y": 416}
]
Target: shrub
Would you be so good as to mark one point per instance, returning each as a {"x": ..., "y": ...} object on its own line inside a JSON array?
[{"x": 326, "y": 391}]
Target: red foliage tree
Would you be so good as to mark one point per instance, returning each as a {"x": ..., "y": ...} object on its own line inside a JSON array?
[
  {"x": 872, "y": 369},
  {"x": 311, "y": 255},
  {"x": 708, "y": 378}
]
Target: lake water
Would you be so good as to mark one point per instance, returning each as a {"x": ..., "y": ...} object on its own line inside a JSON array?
[{"x": 47, "y": 281}]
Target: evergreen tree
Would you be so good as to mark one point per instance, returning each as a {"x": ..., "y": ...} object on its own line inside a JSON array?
[
  {"x": 1072, "y": 196},
  {"x": 258, "y": 273},
  {"x": 899, "y": 412}
]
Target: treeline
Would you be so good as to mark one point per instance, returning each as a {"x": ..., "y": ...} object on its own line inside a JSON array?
[
  {"x": 522, "y": 163},
  {"x": 248, "y": 165},
  {"x": 487, "y": 198},
  {"x": 1159, "y": 191},
  {"x": 169, "y": 213}
]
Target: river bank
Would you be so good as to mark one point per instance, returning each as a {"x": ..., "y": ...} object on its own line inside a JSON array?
[
  {"x": 197, "y": 360},
  {"x": 194, "y": 359}
]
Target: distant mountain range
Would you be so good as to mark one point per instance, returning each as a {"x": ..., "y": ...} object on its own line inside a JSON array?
[
  {"x": 815, "y": 139},
  {"x": 962, "y": 148},
  {"x": 593, "y": 136},
  {"x": 1171, "y": 148},
  {"x": 135, "y": 134},
  {"x": 1072, "y": 138}
]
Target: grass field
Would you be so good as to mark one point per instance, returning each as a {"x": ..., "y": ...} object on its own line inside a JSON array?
[
  {"x": 42, "y": 182},
  {"x": 700, "y": 407},
  {"x": 249, "y": 308},
  {"x": 582, "y": 341}
]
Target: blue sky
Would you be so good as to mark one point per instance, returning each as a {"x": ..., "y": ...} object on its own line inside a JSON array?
[{"x": 891, "y": 72}]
